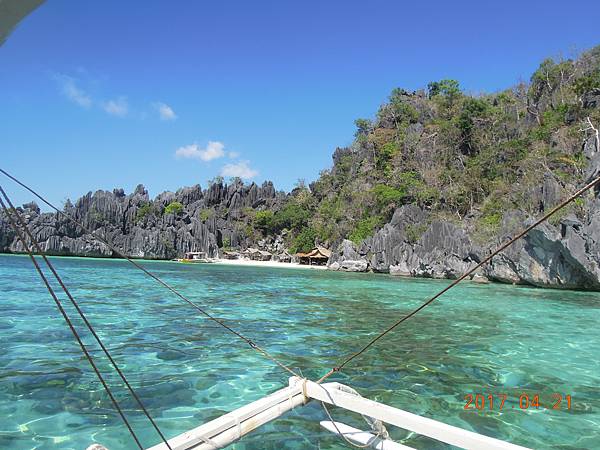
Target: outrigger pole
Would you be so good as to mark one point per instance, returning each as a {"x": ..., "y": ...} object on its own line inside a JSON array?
[{"x": 230, "y": 427}]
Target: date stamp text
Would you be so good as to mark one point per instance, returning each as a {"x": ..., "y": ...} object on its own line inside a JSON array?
[{"x": 501, "y": 401}]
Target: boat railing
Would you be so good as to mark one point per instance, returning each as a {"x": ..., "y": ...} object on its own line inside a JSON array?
[{"x": 230, "y": 427}]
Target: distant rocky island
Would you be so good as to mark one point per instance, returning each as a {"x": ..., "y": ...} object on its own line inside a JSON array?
[
  {"x": 428, "y": 187},
  {"x": 191, "y": 219}
]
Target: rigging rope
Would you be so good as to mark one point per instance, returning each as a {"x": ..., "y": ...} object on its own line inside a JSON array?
[
  {"x": 70, "y": 324},
  {"x": 39, "y": 250},
  {"x": 577, "y": 194},
  {"x": 335, "y": 369},
  {"x": 248, "y": 341}
]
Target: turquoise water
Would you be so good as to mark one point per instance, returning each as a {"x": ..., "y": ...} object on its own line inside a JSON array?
[{"x": 477, "y": 339}]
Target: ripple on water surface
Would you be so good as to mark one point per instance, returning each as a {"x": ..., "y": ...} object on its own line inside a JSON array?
[{"x": 491, "y": 339}]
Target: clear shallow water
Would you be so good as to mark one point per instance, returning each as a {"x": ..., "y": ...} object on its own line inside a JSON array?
[{"x": 478, "y": 338}]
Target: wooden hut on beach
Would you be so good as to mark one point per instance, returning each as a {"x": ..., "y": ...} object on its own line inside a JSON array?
[
  {"x": 195, "y": 256},
  {"x": 283, "y": 257},
  {"x": 262, "y": 255},
  {"x": 247, "y": 254},
  {"x": 318, "y": 256},
  {"x": 257, "y": 255},
  {"x": 231, "y": 255}
]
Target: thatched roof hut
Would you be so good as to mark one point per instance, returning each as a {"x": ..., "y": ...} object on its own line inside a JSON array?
[
  {"x": 249, "y": 252},
  {"x": 284, "y": 256},
  {"x": 231, "y": 255},
  {"x": 262, "y": 255},
  {"x": 317, "y": 256},
  {"x": 257, "y": 255}
]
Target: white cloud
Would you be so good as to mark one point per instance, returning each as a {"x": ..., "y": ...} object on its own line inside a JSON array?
[
  {"x": 214, "y": 150},
  {"x": 240, "y": 169},
  {"x": 233, "y": 155},
  {"x": 165, "y": 111},
  {"x": 73, "y": 92},
  {"x": 117, "y": 107}
]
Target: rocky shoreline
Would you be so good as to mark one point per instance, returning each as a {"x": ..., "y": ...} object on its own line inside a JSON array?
[
  {"x": 145, "y": 228},
  {"x": 430, "y": 186},
  {"x": 565, "y": 256}
]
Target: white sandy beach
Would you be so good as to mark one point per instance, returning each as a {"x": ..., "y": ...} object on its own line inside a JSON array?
[{"x": 248, "y": 262}]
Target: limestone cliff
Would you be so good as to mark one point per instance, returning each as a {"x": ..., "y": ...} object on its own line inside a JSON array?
[
  {"x": 145, "y": 228},
  {"x": 428, "y": 187}
]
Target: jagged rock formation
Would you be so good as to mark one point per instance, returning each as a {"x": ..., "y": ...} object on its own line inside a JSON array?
[
  {"x": 348, "y": 259},
  {"x": 145, "y": 228},
  {"x": 442, "y": 251},
  {"x": 567, "y": 256},
  {"x": 563, "y": 256},
  {"x": 429, "y": 186},
  {"x": 438, "y": 179}
]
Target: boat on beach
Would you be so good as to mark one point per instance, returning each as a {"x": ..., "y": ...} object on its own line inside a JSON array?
[{"x": 195, "y": 258}]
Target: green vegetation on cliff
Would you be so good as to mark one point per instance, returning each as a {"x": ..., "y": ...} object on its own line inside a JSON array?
[
  {"x": 173, "y": 208},
  {"x": 462, "y": 156}
]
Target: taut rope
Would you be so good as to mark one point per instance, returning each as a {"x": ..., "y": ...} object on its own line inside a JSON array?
[
  {"x": 70, "y": 324},
  {"x": 557, "y": 208},
  {"x": 155, "y": 277},
  {"x": 39, "y": 250},
  {"x": 335, "y": 369}
]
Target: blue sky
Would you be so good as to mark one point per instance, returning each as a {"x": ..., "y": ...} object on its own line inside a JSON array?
[{"x": 97, "y": 95}]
